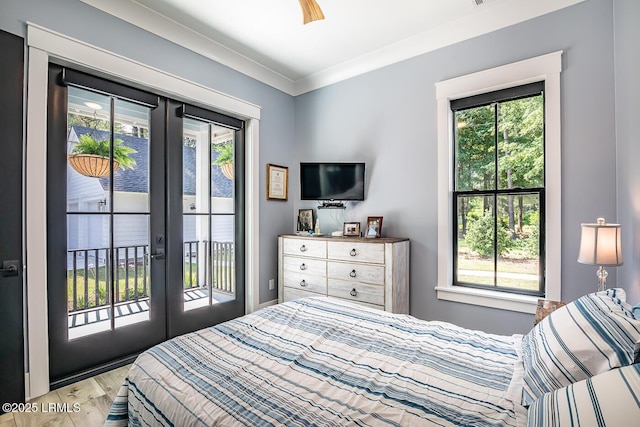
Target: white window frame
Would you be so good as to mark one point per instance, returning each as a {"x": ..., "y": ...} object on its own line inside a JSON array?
[{"x": 548, "y": 68}]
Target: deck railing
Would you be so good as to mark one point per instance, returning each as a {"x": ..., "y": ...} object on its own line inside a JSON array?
[
  {"x": 89, "y": 273},
  {"x": 219, "y": 271}
]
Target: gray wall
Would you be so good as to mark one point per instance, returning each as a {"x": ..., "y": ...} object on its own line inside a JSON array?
[
  {"x": 627, "y": 73},
  {"x": 388, "y": 118},
  {"x": 83, "y": 22}
]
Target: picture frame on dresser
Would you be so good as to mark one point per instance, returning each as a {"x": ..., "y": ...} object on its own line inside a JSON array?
[
  {"x": 374, "y": 227},
  {"x": 305, "y": 219},
  {"x": 351, "y": 229}
]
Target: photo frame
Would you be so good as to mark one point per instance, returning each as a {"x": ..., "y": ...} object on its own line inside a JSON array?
[
  {"x": 305, "y": 220},
  {"x": 277, "y": 182},
  {"x": 351, "y": 229},
  {"x": 374, "y": 227}
]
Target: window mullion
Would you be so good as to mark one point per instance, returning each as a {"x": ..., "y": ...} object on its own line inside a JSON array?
[
  {"x": 496, "y": 179},
  {"x": 114, "y": 253}
]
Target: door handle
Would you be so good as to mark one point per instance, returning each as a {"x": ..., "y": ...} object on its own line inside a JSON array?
[
  {"x": 158, "y": 254},
  {"x": 10, "y": 268}
]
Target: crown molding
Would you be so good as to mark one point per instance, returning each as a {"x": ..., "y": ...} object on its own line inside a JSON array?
[
  {"x": 150, "y": 20},
  {"x": 468, "y": 27},
  {"x": 493, "y": 17}
]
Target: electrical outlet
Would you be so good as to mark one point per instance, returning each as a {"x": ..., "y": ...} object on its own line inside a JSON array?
[{"x": 272, "y": 284}]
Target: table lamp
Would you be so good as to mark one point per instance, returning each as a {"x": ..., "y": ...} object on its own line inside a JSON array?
[{"x": 600, "y": 245}]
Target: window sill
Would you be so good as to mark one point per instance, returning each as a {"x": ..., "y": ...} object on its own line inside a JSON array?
[{"x": 486, "y": 298}]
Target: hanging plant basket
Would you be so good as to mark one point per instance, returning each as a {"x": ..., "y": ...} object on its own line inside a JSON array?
[
  {"x": 91, "y": 165},
  {"x": 227, "y": 170}
]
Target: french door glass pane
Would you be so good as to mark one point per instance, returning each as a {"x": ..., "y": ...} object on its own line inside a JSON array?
[
  {"x": 88, "y": 274},
  {"x": 131, "y": 268},
  {"x": 208, "y": 220},
  {"x": 222, "y": 170},
  {"x": 223, "y": 262},
  {"x": 106, "y": 174},
  {"x": 131, "y": 146},
  {"x": 88, "y": 126}
]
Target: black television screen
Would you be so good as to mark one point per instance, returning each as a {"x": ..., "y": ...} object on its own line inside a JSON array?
[{"x": 332, "y": 181}]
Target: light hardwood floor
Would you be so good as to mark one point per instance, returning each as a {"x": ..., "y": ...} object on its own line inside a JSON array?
[{"x": 93, "y": 395}]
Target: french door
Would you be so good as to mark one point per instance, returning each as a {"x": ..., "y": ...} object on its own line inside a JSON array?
[
  {"x": 142, "y": 225},
  {"x": 205, "y": 218}
]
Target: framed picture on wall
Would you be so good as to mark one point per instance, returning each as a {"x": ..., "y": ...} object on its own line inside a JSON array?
[
  {"x": 305, "y": 220},
  {"x": 277, "y": 182},
  {"x": 351, "y": 229},
  {"x": 374, "y": 226}
]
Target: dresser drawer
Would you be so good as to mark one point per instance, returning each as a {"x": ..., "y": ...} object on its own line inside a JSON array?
[
  {"x": 305, "y": 247},
  {"x": 306, "y": 282},
  {"x": 356, "y": 251},
  {"x": 356, "y": 272},
  {"x": 362, "y": 292},
  {"x": 315, "y": 267},
  {"x": 291, "y": 294}
]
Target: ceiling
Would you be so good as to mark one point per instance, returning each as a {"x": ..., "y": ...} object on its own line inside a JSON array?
[{"x": 267, "y": 40}]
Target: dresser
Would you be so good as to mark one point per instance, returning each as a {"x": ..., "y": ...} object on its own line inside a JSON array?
[{"x": 372, "y": 272}]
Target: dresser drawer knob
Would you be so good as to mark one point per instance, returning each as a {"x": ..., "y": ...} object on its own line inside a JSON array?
[
  {"x": 303, "y": 283},
  {"x": 353, "y": 273},
  {"x": 303, "y": 266},
  {"x": 303, "y": 248},
  {"x": 353, "y": 292},
  {"x": 353, "y": 252}
]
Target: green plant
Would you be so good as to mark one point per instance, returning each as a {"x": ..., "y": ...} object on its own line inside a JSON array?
[
  {"x": 480, "y": 236},
  {"x": 87, "y": 144},
  {"x": 225, "y": 153}
]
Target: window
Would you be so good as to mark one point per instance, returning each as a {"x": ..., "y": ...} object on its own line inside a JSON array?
[
  {"x": 498, "y": 195},
  {"x": 483, "y": 187}
]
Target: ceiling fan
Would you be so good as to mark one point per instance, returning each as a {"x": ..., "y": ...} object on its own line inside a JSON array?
[{"x": 310, "y": 11}]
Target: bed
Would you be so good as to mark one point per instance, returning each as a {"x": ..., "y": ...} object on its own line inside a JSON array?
[{"x": 325, "y": 362}]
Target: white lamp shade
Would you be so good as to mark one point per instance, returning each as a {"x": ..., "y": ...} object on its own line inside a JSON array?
[{"x": 600, "y": 244}]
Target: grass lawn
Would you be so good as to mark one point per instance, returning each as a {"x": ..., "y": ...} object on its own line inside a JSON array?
[
  {"x": 518, "y": 273},
  {"x": 121, "y": 285},
  {"x": 92, "y": 281}
]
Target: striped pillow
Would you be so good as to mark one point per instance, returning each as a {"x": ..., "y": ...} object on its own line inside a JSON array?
[
  {"x": 593, "y": 334},
  {"x": 609, "y": 399}
]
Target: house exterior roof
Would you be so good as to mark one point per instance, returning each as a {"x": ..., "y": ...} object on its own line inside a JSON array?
[{"x": 136, "y": 180}]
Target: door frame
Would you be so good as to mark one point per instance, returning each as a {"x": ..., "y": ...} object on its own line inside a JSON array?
[
  {"x": 44, "y": 44},
  {"x": 11, "y": 222}
]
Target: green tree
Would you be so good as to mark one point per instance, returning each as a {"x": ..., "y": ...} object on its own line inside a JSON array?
[
  {"x": 521, "y": 150},
  {"x": 475, "y": 156},
  {"x": 507, "y": 137}
]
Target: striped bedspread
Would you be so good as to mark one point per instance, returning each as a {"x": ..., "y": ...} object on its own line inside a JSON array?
[{"x": 323, "y": 362}]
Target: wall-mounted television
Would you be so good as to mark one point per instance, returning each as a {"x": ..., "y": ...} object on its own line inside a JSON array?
[{"x": 332, "y": 181}]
